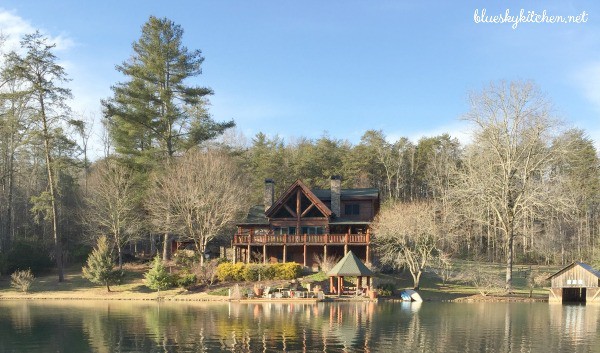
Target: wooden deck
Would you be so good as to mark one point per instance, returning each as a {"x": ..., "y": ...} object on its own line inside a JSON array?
[{"x": 305, "y": 239}]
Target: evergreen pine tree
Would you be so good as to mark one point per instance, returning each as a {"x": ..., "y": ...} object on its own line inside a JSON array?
[
  {"x": 37, "y": 70},
  {"x": 100, "y": 265},
  {"x": 155, "y": 113},
  {"x": 158, "y": 278}
]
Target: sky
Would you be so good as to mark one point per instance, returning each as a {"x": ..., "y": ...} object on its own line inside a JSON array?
[{"x": 308, "y": 68}]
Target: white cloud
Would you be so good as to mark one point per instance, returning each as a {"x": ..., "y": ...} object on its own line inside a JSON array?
[
  {"x": 13, "y": 27},
  {"x": 587, "y": 79}
]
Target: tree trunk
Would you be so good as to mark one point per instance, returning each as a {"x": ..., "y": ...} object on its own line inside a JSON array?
[
  {"x": 52, "y": 189},
  {"x": 152, "y": 245},
  {"x": 9, "y": 210},
  {"x": 416, "y": 280},
  {"x": 120, "y": 257},
  {"x": 509, "y": 261},
  {"x": 166, "y": 246}
]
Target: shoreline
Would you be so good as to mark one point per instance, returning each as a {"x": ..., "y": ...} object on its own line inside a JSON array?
[
  {"x": 76, "y": 288},
  {"x": 204, "y": 297}
]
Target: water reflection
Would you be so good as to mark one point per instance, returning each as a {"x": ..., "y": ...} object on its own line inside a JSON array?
[{"x": 293, "y": 327}]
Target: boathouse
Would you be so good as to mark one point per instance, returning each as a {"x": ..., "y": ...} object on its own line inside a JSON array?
[{"x": 578, "y": 282}]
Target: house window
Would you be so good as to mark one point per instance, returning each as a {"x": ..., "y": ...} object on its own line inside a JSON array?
[
  {"x": 313, "y": 230},
  {"x": 352, "y": 209},
  {"x": 284, "y": 230}
]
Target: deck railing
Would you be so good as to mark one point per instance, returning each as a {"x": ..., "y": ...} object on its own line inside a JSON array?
[{"x": 311, "y": 239}]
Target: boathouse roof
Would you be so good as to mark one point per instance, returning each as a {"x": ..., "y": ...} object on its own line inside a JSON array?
[{"x": 583, "y": 265}]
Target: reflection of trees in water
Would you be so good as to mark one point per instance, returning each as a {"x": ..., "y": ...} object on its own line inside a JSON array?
[
  {"x": 293, "y": 327},
  {"x": 45, "y": 327},
  {"x": 493, "y": 327},
  {"x": 21, "y": 316}
]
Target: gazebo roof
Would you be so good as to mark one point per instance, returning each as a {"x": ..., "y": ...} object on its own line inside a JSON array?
[{"x": 350, "y": 265}]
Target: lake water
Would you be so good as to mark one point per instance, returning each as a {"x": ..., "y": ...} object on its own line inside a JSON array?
[{"x": 111, "y": 326}]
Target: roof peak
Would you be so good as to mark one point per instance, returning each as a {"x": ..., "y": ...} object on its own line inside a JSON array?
[{"x": 350, "y": 265}]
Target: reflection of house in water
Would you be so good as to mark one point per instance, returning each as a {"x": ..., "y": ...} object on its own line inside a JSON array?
[
  {"x": 293, "y": 327},
  {"x": 349, "y": 326},
  {"x": 578, "y": 282},
  {"x": 574, "y": 322}
]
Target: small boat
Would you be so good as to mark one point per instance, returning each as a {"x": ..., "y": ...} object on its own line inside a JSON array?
[{"x": 410, "y": 295}]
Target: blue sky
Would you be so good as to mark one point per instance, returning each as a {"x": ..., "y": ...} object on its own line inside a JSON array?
[{"x": 300, "y": 68}]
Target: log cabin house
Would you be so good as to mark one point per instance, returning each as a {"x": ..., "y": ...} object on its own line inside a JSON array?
[{"x": 303, "y": 224}]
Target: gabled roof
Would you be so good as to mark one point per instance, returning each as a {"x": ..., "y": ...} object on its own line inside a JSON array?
[
  {"x": 309, "y": 194},
  {"x": 348, "y": 194},
  {"x": 350, "y": 265},
  {"x": 256, "y": 216},
  {"x": 583, "y": 265}
]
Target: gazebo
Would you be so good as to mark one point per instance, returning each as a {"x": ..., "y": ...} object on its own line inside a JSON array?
[{"x": 350, "y": 265}]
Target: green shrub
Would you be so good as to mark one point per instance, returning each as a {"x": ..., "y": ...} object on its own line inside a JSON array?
[
  {"x": 238, "y": 271},
  {"x": 186, "y": 280},
  {"x": 157, "y": 277},
  {"x": 385, "y": 289},
  {"x": 225, "y": 271},
  {"x": 22, "y": 280},
  {"x": 258, "y": 272},
  {"x": 252, "y": 272},
  {"x": 230, "y": 272},
  {"x": 267, "y": 272},
  {"x": 290, "y": 270}
]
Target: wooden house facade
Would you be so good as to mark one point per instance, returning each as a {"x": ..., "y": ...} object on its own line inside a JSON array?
[
  {"x": 302, "y": 224},
  {"x": 578, "y": 282}
]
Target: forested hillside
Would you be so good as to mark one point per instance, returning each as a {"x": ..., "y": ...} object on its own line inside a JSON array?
[{"x": 525, "y": 188}]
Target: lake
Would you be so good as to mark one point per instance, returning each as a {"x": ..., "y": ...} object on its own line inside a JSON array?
[{"x": 121, "y": 326}]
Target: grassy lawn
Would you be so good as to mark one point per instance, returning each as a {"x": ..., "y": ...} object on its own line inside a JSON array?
[
  {"x": 133, "y": 287},
  {"x": 433, "y": 288},
  {"x": 75, "y": 286}
]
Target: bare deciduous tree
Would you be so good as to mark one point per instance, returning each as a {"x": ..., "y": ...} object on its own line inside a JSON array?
[
  {"x": 507, "y": 167},
  {"x": 198, "y": 196},
  {"x": 15, "y": 121},
  {"x": 484, "y": 280},
  {"x": 407, "y": 234},
  {"x": 113, "y": 205}
]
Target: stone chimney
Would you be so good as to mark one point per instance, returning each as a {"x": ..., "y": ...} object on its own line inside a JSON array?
[
  {"x": 269, "y": 193},
  {"x": 336, "y": 194}
]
